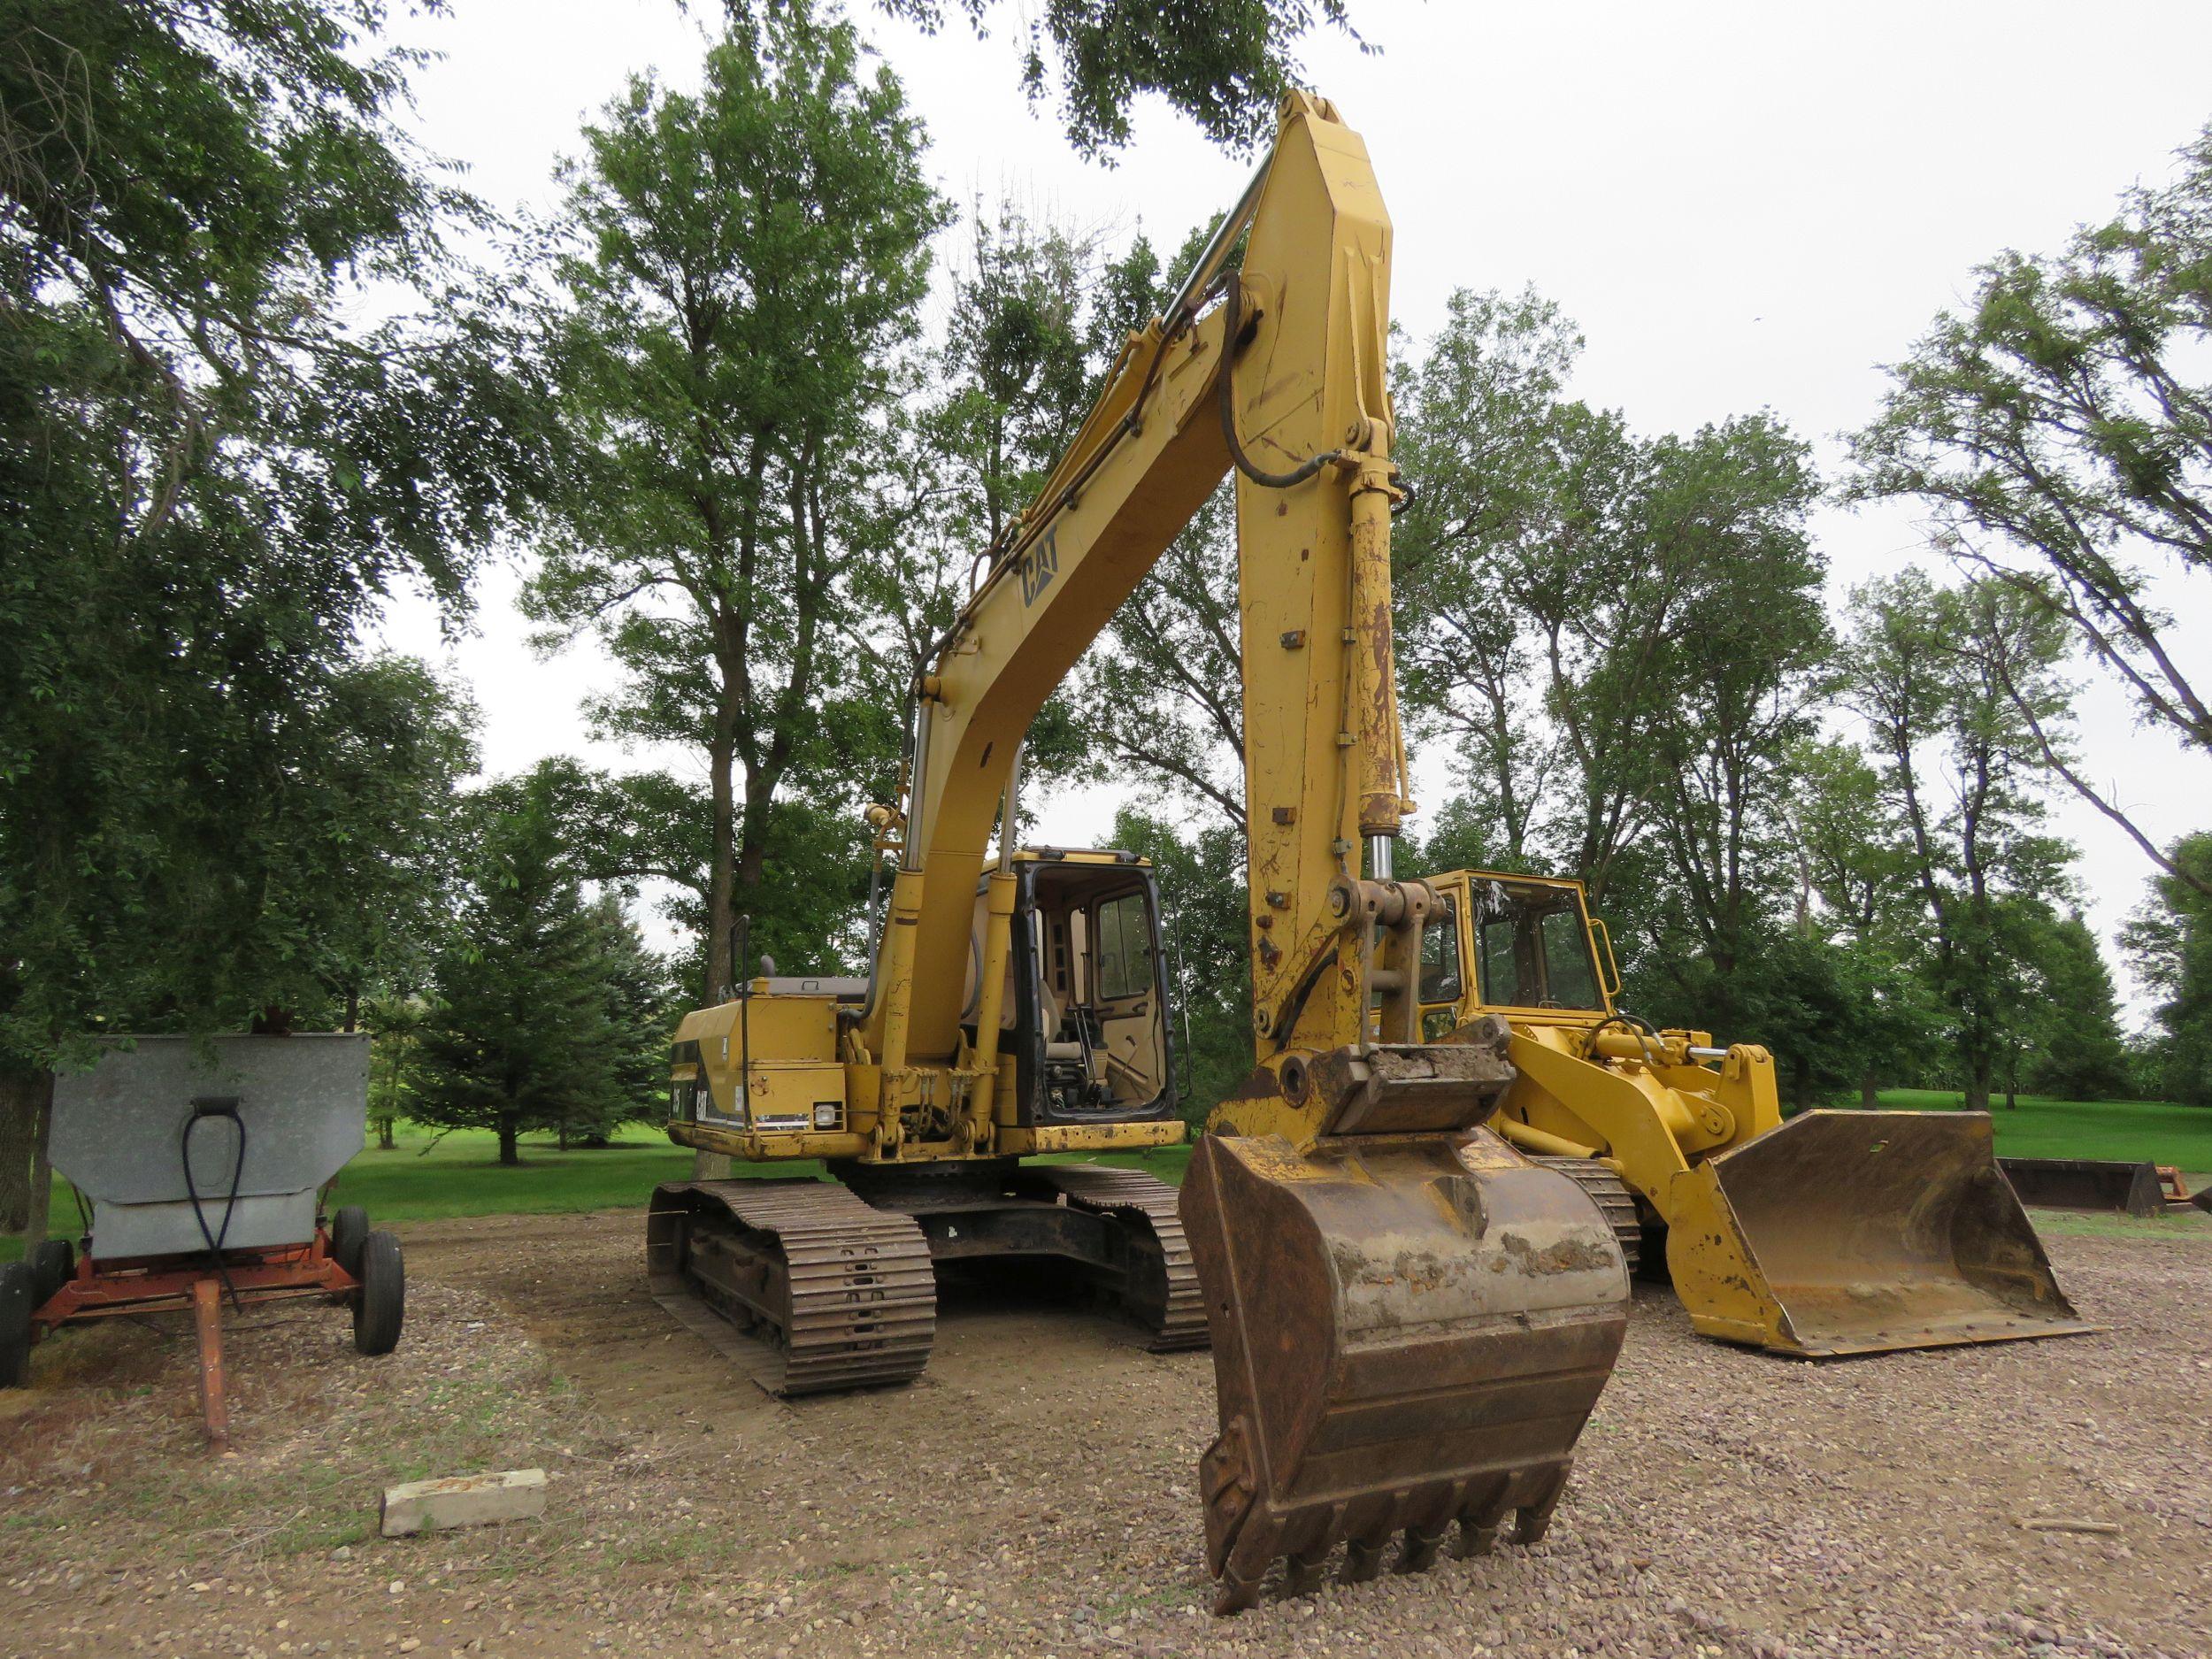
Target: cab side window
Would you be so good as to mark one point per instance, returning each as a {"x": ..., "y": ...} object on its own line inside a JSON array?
[
  {"x": 1125, "y": 948},
  {"x": 1439, "y": 956}
]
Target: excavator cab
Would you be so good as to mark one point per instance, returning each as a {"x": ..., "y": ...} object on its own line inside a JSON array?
[
  {"x": 1835, "y": 1232},
  {"x": 1084, "y": 1010}
]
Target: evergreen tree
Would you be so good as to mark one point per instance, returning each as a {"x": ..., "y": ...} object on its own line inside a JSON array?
[
  {"x": 2080, "y": 1052},
  {"x": 544, "y": 1007}
]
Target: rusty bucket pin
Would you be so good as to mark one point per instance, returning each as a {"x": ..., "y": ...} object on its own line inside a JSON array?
[{"x": 1410, "y": 1331}]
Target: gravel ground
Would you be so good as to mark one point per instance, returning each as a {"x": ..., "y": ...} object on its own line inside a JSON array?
[{"x": 1032, "y": 1495}]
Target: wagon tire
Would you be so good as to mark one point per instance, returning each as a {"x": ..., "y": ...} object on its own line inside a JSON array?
[
  {"x": 380, "y": 1306},
  {"x": 348, "y": 1232},
  {"x": 53, "y": 1263},
  {"x": 18, "y": 1295}
]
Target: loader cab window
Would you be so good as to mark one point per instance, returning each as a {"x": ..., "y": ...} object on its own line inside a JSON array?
[
  {"x": 1531, "y": 947},
  {"x": 1440, "y": 954}
]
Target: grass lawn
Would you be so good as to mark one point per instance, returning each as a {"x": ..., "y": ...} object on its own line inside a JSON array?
[
  {"x": 460, "y": 1175},
  {"x": 2139, "y": 1130},
  {"x": 425, "y": 1177}
]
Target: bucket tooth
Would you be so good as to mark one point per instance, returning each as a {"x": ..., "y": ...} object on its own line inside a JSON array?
[
  {"x": 1363, "y": 1559},
  {"x": 1535, "y": 1518},
  {"x": 1410, "y": 1331},
  {"x": 1475, "y": 1538},
  {"x": 1422, "y": 1545},
  {"x": 1302, "y": 1574}
]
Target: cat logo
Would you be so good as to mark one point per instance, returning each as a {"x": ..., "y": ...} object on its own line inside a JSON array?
[{"x": 1040, "y": 566}]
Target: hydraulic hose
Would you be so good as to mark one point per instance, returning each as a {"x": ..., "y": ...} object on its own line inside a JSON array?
[
  {"x": 201, "y": 1111},
  {"x": 1233, "y": 292}
]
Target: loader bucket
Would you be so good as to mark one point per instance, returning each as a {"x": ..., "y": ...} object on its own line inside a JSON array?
[
  {"x": 1857, "y": 1233},
  {"x": 1408, "y": 1333}
]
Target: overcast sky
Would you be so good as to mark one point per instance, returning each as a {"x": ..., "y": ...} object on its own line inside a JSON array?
[{"x": 1740, "y": 206}]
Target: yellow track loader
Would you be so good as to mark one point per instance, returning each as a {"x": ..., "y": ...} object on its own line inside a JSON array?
[
  {"x": 1410, "y": 1320},
  {"x": 1836, "y": 1232}
]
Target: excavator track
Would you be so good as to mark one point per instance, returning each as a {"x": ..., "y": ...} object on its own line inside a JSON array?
[
  {"x": 1613, "y": 1198},
  {"x": 1161, "y": 1288},
  {"x": 805, "y": 1285}
]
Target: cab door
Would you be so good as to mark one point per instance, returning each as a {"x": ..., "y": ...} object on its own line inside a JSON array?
[
  {"x": 1125, "y": 982},
  {"x": 1447, "y": 992}
]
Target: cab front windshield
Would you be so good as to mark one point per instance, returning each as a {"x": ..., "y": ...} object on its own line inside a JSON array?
[{"x": 1531, "y": 948}]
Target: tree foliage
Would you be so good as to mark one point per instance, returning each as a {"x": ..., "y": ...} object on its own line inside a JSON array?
[
  {"x": 2169, "y": 940},
  {"x": 210, "y": 478},
  {"x": 546, "y": 1010},
  {"x": 1202, "y": 923},
  {"x": 2059, "y": 428},
  {"x": 1227, "y": 63},
  {"x": 2079, "y": 1052},
  {"x": 729, "y": 361},
  {"x": 1929, "y": 672}
]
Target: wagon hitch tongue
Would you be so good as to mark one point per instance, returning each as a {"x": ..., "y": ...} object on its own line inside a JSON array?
[{"x": 1410, "y": 1323}]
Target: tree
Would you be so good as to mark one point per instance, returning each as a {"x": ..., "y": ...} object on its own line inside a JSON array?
[
  {"x": 1542, "y": 584},
  {"x": 1741, "y": 673},
  {"x": 1616, "y": 638},
  {"x": 1857, "y": 896},
  {"x": 1477, "y": 410},
  {"x": 208, "y": 480},
  {"x": 727, "y": 358},
  {"x": 1929, "y": 669},
  {"x": 1227, "y": 63},
  {"x": 1015, "y": 362},
  {"x": 2168, "y": 939},
  {"x": 395, "y": 1027},
  {"x": 1202, "y": 923},
  {"x": 2079, "y": 1053},
  {"x": 2056, "y": 433},
  {"x": 545, "y": 1011},
  {"x": 364, "y": 847}
]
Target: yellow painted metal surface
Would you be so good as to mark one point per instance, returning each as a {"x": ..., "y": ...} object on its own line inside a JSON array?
[
  {"x": 1832, "y": 1233},
  {"x": 1090, "y": 1138},
  {"x": 1453, "y": 1309},
  {"x": 748, "y": 1147}
]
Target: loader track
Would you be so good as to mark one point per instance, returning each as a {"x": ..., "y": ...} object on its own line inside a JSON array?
[
  {"x": 1164, "y": 1294},
  {"x": 805, "y": 1285},
  {"x": 1612, "y": 1197}
]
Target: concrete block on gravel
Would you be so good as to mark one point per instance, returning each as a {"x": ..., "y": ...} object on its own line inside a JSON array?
[{"x": 431, "y": 1506}]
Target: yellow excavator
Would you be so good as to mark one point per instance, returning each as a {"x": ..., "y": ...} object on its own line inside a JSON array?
[
  {"x": 1410, "y": 1320},
  {"x": 1836, "y": 1232}
]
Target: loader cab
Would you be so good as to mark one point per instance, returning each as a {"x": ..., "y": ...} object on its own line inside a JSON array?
[
  {"x": 1085, "y": 1011},
  {"x": 1520, "y": 945}
]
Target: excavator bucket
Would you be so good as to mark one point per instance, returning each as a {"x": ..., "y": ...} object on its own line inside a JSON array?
[
  {"x": 1408, "y": 1333},
  {"x": 1857, "y": 1232}
]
